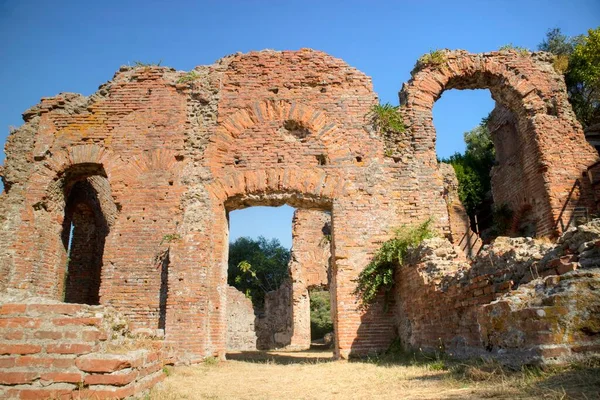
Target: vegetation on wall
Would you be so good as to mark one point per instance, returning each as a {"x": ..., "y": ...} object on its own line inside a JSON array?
[
  {"x": 432, "y": 59},
  {"x": 578, "y": 59},
  {"x": 378, "y": 275},
  {"x": 320, "y": 314},
  {"x": 386, "y": 118},
  {"x": 257, "y": 266}
]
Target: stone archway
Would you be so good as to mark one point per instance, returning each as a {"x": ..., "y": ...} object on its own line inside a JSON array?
[{"x": 552, "y": 149}]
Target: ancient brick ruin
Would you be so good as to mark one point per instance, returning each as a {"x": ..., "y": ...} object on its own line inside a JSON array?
[{"x": 138, "y": 179}]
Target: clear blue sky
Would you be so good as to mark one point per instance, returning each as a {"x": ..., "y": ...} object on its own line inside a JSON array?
[{"x": 48, "y": 47}]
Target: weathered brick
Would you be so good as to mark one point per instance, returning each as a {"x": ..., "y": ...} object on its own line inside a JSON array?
[
  {"x": 69, "y": 348},
  {"x": 68, "y": 377},
  {"x": 115, "y": 378},
  {"x": 18, "y": 348},
  {"x": 16, "y": 378}
]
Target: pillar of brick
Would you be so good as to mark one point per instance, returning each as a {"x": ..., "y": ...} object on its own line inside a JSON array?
[{"x": 309, "y": 267}]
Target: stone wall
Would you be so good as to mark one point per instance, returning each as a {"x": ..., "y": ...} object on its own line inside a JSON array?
[
  {"x": 521, "y": 300},
  {"x": 241, "y": 330}
]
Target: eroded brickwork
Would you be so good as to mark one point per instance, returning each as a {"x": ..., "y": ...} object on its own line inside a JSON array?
[
  {"x": 167, "y": 154},
  {"x": 521, "y": 300},
  {"x": 550, "y": 152}
]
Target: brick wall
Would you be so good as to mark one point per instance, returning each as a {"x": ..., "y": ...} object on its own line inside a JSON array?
[
  {"x": 51, "y": 350},
  {"x": 549, "y": 146},
  {"x": 169, "y": 159},
  {"x": 520, "y": 301}
]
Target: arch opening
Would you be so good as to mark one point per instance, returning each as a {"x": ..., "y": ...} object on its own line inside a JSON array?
[{"x": 88, "y": 214}]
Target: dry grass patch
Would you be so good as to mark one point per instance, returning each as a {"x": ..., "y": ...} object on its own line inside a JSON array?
[{"x": 275, "y": 376}]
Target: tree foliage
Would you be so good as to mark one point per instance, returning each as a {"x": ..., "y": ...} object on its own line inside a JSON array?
[
  {"x": 320, "y": 314},
  {"x": 473, "y": 167},
  {"x": 578, "y": 58},
  {"x": 378, "y": 275},
  {"x": 257, "y": 266}
]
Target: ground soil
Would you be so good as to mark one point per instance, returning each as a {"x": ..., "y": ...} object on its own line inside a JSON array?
[{"x": 314, "y": 375}]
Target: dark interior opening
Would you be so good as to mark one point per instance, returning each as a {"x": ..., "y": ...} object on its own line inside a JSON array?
[{"x": 84, "y": 233}]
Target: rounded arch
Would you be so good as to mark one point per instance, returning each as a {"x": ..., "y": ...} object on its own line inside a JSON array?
[
  {"x": 542, "y": 122},
  {"x": 298, "y": 187},
  {"x": 71, "y": 185}
]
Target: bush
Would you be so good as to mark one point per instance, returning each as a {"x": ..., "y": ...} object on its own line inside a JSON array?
[
  {"x": 378, "y": 275},
  {"x": 320, "y": 314}
]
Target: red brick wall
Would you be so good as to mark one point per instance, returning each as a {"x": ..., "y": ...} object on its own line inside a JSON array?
[
  {"x": 552, "y": 150},
  {"x": 51, "y": 350}
]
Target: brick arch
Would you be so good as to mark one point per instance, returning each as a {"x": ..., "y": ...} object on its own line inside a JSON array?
[
  {"x": 321, "y": 127},
  {"x": 552, "y": 148},
  {"x": 43, "y": 260},
  {"x": 511, "y": 86},
  {"x": 300, "y": 187}
]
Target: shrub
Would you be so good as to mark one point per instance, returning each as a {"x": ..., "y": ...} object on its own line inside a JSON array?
[
  {"x": 378, "y": 275},
  {"x": 188, "y": 77},
  {"x": 432, "y": 59},
  {"x": 320, "y": 314},
  {"x": 386, "y": 118},
  {"x": 510, "y": 47}
]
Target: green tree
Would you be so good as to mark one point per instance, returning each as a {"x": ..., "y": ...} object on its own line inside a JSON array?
[
  {"x": 257, "y": 266},
  {"x": 578, "y": 58},
  {"x": 583, "y": 78},
  {"x": 473, "y": 167},
  {"x": 320, "y": 314}
]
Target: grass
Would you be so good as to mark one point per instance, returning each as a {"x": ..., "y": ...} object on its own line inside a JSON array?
[{"x": 274, "y": 375}]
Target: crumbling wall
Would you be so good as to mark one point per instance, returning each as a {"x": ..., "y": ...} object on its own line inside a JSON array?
[
  {"x": 460, "y": 225},
  {"x": 275, "y": 325},
  {"x": 509, "y": 303},
  {"x": 51, "y": 349},
  {"x": 241, "y": 330},
  {"x": 177, "y": 150},
  {"x": 546, "y": 145}
]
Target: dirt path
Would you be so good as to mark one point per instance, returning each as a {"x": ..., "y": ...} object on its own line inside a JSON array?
[{"x": 312, "y": 375}]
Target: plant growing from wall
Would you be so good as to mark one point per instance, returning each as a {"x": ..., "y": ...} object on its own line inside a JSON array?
[
  {"x": 434, "y": 58},
  {"x": 378, "y": 275},
  {"x": 521, "y": 50},
  {"x": 188, "y": 77},
  {"x": 386, "y": 119},
  {"x": 145, "y": 64}
]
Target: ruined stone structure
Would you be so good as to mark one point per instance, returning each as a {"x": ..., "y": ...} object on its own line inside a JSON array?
[{"x": 145, "y": 171}]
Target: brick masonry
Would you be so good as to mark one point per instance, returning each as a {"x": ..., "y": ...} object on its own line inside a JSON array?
[
  {"x": 57, "y": 350},
  {"x": 152, "y": 163}
]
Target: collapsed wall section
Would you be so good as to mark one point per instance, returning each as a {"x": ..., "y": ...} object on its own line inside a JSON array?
[
  {"x": 520, "y": 301},
  {"x": 58, "y": 350}
]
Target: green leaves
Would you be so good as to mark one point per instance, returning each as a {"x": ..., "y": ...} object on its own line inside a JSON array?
[
  {"x": 578, "y": 58},
  {"x": 473, "y": 168},
  {"x": 257, "y": 266},
  {"x": 378, "y": 275},
  {"x": 386, "y": 118}
]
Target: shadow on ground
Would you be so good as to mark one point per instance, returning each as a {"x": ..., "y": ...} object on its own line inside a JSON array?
[{"x": 312, "y": 356}]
